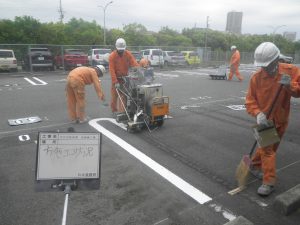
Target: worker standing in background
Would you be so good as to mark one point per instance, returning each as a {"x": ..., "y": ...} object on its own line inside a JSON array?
[
  {"x": 75, "y": 90},
  {"x": 144, "y": 63},
  {"x": 235, "y": 63},
  {"x": 263, "y": 87},
  {"x": 120, "y": 60}
]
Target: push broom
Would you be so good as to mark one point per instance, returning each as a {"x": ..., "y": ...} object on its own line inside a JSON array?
[{"x": 242, "y": 171}]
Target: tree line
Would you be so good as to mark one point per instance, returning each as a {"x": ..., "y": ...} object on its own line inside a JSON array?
[{"x": 27, "y": 30}]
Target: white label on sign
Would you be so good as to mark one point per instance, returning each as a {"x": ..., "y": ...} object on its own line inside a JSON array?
[{"x": 68, "y": 156}]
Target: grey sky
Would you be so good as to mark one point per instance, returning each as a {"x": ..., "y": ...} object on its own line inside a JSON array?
[{"x": 259, "y": 16}]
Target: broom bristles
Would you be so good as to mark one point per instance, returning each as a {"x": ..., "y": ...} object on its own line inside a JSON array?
[{"x": 242, "y": 172}]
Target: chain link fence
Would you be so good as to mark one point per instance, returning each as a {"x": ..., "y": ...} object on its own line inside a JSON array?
[{"x": 206, "y": 55}]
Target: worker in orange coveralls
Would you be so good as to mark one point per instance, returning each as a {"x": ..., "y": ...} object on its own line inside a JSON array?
[
  {"x": 234, "y": 64},
  {"x": 144, "y": 63},
  {"x": 264, "y": 85},
  {"x": 120, "y": 60},
  {"x": 75, "y": 90}
]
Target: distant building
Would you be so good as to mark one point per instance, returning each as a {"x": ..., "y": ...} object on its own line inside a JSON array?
[
  {"x": 234, "y": 22},
  {"x": 291, "y": 36}
]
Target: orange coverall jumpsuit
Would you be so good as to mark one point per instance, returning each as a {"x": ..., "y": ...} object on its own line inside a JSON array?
[
  {"x": 261, "y": 92},
  {"x": 234, "y": 66},
  {"x": 75, "y": 90},
  {"x": 118, "y": 68},
  {"x": 144, "y": 63}
]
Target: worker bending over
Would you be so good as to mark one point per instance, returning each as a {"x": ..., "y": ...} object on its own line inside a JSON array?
[
  {"x": 263, "y": 87},
  {"x": 235, "y": 63},
  {"x": 120, "y": 60},
  {"x": 75, "y": 90}
]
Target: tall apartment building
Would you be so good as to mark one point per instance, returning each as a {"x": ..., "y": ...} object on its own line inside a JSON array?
[
  {"x": 291, "y": 36},
  {"x": 234, "y": 22}
]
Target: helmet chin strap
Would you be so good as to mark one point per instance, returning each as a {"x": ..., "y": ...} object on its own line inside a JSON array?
[
  {"x": 272, "y": 70},
  {"x": 120, "y": 52}
]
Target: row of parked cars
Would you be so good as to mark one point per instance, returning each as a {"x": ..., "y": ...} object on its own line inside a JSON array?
[{"x": 42, "y": 58}]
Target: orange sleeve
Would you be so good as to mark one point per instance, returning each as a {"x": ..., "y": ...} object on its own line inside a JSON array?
[
  {"x": 251, "y": 98},
  {"x": 295, "y": 82},
  {"x": 97, "y": 85},
  {"x": 112, "y": 67},
  {"x": 132, "y": 60}
]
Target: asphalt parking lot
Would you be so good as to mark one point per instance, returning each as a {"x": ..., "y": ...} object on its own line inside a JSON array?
[{"x": 181, "y": 173}]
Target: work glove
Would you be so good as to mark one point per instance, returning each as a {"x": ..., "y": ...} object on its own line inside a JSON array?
[
  {"x": 117, "y": 86},
  {"x": 285, "y": 80},
  {"x": 261, "y": 119}
]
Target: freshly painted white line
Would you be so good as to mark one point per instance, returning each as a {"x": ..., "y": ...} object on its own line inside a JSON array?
[
  {"x": 187, "y": 188},
  {"x": 197, "y": 73},
  {"x": 166, "y": 75}
]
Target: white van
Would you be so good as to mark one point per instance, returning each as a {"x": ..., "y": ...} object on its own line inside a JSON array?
[
  {"x": 8, "y": 61},
  {"x": 99, "y": 56},
  {"x": 154, "y": 56}
]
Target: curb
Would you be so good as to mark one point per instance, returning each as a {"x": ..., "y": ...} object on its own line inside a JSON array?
[
  {"x": 288, "y": 202},
  {"x": 239, "y": 221}
]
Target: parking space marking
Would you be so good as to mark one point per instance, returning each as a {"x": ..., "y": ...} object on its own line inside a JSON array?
[
  {"x": 178, "y": 182},
  {"x": 41, "y": 82}
]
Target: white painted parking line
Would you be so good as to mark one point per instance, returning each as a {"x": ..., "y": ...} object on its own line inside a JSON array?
[
  {"x": 166, "y": 75},
  {"x": 41, "y": 82},
  {"x": 187, "y": 188},
  {"x": 197, "y": 73}
]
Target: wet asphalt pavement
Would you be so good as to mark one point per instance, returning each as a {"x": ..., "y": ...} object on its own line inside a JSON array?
[{"x": 180, "y": 173}]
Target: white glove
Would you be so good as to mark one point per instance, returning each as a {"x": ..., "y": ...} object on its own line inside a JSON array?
[
  {"x": 261, "y": 119},
  {"x": 285, "y": 80},
  {"x": 117, "y": 85}
]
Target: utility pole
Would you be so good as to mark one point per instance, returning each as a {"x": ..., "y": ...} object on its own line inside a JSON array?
[
  {"x": 61, "y": 12},
  {"x": 104, "y": 9},
  {"x": 205, "y": 45}
]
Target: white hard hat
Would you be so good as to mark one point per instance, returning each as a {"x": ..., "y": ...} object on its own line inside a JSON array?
[
  {"x": 101, "y": 69},
  {"x": 265, "y": 53},
  {"x": 233, "y": 47},
  {"x": 120, "y": 44}
]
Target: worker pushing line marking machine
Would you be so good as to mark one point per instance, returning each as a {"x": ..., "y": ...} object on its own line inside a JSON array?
[{"x": 144, "y": 105}]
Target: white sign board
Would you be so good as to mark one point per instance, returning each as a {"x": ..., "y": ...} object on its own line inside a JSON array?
[{"x": 68, "y": 156}]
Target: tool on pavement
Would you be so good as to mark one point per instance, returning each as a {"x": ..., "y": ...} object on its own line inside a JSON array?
[{"x": 220, "y": 73}]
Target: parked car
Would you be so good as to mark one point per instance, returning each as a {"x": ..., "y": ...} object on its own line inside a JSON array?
[
  {"x": 285, "y": 59},
  {"x": 8, "y": 61},
  {"x": 137, "y": 55},
  {"x": 99, "y": 56},
  {"x": 40, "y": 58},
  {"x": 154, "y": 56},
  {"x": 174, "y": 58},
  {"x": 191, "y": 57},
  {"x": 71, "y": 59}
]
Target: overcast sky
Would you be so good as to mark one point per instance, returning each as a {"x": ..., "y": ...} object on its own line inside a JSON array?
[{"x": 259, "y": 16}]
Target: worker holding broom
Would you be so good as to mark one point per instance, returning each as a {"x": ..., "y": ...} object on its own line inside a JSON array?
[
  {"x": 120, "y": 61},
  {"x": 268, "y": 99},
  {"x": 235, "y": 63}
]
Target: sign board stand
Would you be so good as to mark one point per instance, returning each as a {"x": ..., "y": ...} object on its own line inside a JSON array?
[{"x": 68, "y": 161}]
